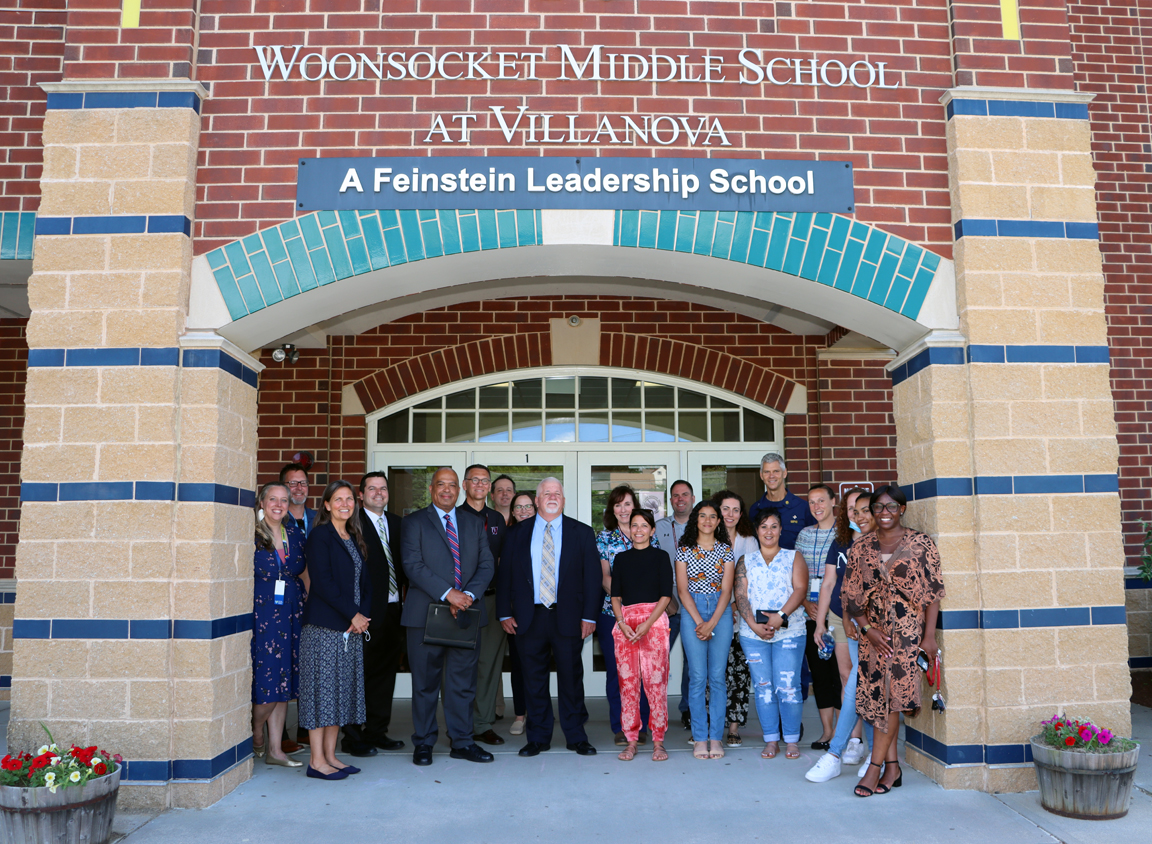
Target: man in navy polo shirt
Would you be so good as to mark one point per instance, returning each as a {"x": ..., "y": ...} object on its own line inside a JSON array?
[{"x": 794, "y": 512}]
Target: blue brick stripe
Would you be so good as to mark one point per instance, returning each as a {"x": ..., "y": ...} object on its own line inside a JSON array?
[
  {"x": 1009, "y": 485},
  {"x": 1042, "y": 617},
  {"x": 982, "y": 353},
  {"x": 202, "y": 493},
  {"x": 323, "y": 247},
  {"x": 140, "y": 771},
  {"x": 73, "y": 100},
  {"x": 17, "y": 234},
  {"x": 967, "y": 754},
  {"x": 1016, "y": 108},
  {"x": 101, "y": 628},
  {"x": 191, "y": 359},
  {"x": 115, "y": 224},
  {"x": 5, "y": 681},
  {"x": 1027, "y": 228}
]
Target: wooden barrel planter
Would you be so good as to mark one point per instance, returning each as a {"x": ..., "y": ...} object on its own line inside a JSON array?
[
  {"x": 76, "y": 815},
  {"x": 1086, "y": 786}
]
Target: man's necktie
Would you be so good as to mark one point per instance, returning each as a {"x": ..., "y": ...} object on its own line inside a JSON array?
[
  {"x": 383, "y": 531},
  {"x": 454, "y": 544},
  {"x": 548, "y": 569}
]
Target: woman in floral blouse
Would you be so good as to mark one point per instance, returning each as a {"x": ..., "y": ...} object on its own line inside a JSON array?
[
  {"x": 704, "y": 571},
  {"x": 893, "y": 589}
]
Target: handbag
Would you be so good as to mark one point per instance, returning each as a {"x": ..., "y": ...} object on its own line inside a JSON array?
[{"x": 441, "y": 629}]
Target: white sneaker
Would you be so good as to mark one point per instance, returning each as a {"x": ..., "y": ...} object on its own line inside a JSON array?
[
  {"x": 826, "y": 768},
  {"x": 855, "y": 751},
  {"x": 864, "y": 769}
]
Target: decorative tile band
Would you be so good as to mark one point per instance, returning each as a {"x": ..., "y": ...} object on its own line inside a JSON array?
[
  {"x": 981, "y": 353},
  {"x": 5, "y": 681},
  {"x": 1027, "y": 228},
  {"x": 1042, "y": 617},
  {"x": 7, "y": 597},
  {"x": 186, "y": 769},
  {"x": 1137, "y": 583},
  {"x": 17, "y": 231},
  {"x": 72, "y": 100},
  {"x": 967, "y": 754},
  {"x": 1016, "y": 108},
  {"x": 106, "y": 628},
  {"x": 828, "y": 249},
  {"x": 1009, "y": 485},
  {"x": 323, "y": 247},
  {"x": 1140, "y": 662},
  {"x": 115, "y": 224},
  {"x": 199, "y": 493},
  {"x": 191, "y": 359}
]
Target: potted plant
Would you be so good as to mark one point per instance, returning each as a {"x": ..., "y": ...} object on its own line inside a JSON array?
[
  {"x": 58, "y": 796},
  {"x": 1084, "y": 771}
]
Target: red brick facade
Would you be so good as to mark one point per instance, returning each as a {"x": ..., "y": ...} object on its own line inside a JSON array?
[
  {"x": 13, "y": 376},
  {"x": 848, "y": 430},
  {"x": 1112, "y": 46}
]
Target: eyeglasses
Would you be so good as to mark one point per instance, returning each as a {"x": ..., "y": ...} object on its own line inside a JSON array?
[
  {"x": 526, "y": 508},
  {"x": 892, "y": 508},
  {"x": 297, "y": 483},
  {"x": 478, "y": 481}
]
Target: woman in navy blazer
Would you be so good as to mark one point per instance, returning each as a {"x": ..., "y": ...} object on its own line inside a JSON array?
[{"x": 335, "y": 619}]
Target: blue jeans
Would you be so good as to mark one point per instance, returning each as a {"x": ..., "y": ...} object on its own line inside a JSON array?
[
  {"x": 775, "y": 670},
  {"x": 605, "y": 624},
  {"x": 706, "y": 664},
  {"x": 848, "y": 715}
]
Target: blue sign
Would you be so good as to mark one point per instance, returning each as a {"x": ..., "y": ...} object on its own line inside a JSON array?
[{"x": 530, "y": 182}]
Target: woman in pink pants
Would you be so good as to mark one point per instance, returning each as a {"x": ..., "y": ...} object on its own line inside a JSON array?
[{"x": 641, "y": 590}]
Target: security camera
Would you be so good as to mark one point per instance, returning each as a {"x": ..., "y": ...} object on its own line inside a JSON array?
[{"x": 287, "y": 352}]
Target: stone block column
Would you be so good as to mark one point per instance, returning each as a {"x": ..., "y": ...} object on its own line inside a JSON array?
[
  {"x": 1007, "y": 444},
  {"x": 134, "y": 565}
]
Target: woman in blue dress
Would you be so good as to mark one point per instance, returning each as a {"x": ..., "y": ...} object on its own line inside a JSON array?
[{"x": 277, "y": 607}]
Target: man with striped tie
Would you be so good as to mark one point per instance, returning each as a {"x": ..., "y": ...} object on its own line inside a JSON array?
[
  {"x": 384, "y": 647},
  {"x": 446, "y": 557},
  {"x": 548, "y": 594}
]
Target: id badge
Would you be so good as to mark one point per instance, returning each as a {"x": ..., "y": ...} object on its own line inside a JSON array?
[{"x": 278, "y": 595}]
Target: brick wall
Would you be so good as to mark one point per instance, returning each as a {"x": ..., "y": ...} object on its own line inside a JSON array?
[
  {"x": 31, "y": 52},
  {"x": 1040, "y": 58},
  {"x": 299, "y": 406},
  {"x": 255, "y": 131},
  {"x": 13, "y": 375},
  {"x": 1112, "y": 48}
]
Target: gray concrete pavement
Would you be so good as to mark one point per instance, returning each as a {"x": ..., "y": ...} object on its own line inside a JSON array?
[{"x": 562, "y": 796}]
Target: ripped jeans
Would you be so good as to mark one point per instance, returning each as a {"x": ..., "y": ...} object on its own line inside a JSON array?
[{"x": 775, "y": 670}]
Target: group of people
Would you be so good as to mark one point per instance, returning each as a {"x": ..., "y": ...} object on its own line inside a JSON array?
[{"x": 832, "y": 592}]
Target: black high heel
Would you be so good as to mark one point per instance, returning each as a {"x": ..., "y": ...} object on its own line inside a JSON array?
[
  {"x": 896, "y": 784},
  {"x": 868, "y": 792}
]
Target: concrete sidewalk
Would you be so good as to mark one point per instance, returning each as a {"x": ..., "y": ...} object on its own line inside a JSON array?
[{"x": 562, "y": 796}]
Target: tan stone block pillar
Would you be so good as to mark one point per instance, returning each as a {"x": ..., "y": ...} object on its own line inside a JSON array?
[
  {"x": 134, "y": 564},
  {"x": 1008, "y": 444}
]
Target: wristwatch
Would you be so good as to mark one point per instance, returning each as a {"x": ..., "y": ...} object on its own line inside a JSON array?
[{"x": 864, "y": 630}]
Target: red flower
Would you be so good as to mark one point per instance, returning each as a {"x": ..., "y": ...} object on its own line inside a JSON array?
[
  {"x": 83, "y": 755},
  {"x": 1069, "y": 741},
  {"x": 1059, "y": 725},
  {"x": 99, "y": 769},
  {"x": 40, "y": 762},
  {"x": 10, "y": 764}
]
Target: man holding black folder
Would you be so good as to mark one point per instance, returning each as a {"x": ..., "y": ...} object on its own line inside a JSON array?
[{"x": 448, "y": 562}]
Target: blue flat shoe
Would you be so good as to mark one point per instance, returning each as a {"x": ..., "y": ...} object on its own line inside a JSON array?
[
  {"x": 349, "y": 769},
  {"x": 335, "y": 775}
]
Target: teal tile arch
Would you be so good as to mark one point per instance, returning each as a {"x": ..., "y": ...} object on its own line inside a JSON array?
[
  {"x": 17, "y": 231},
  {"x": 317, "y": 249},
  {"x": 323, "y": 247},
  {"x": 825, "y": 248}
]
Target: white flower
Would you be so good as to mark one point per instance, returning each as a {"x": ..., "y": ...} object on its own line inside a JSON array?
[
  {"x": 95, "y": 761},
  {"x": 54, "y": 761},
  {"x": 49, "y": 778},
  {"x": 74, "y": 776},
  {"x": 55, "y": 749},
  {"x": 73, "y": 764},
  {"x": 52, "y": 788},
  {"x": 43, "y": 749}
]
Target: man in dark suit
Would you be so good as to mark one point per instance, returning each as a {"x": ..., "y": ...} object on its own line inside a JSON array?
[
  {"x": 548, "y": 595},
  {"x": 447, "y": 558},
  {"x": 385, "y": 646}
]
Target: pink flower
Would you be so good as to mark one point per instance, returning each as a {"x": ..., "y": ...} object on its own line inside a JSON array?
[{"x": 1104, "y": 736}]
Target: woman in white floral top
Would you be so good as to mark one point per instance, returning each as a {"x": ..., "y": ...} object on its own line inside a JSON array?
[{"x": 611, "y": 541}]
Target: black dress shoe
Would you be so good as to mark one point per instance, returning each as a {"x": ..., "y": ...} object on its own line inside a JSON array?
[
  {"x": 422, "y": 754},
  {"x": 473, "y": 753},
  {"x": 821, "y": 745},
  {"x": 584, "y": 748},
  {"x": 534, "y": 748},
  {"x": 357, "y": 748},
  {"x": 387, "y": 743},
  {"x": 489, "y": 737},
  {"x": 686, "y": 720}
]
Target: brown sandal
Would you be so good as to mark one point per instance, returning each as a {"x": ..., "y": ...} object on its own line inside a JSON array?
[
  {"x": 628, "y": 753},
  {"x": 659, "y": 754},
  {"x": 715, "y": 749},
  {"x": 789, "y": 753},
  {"x": 700, "y": 750},
  {"x": 770, "y": 754}
]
